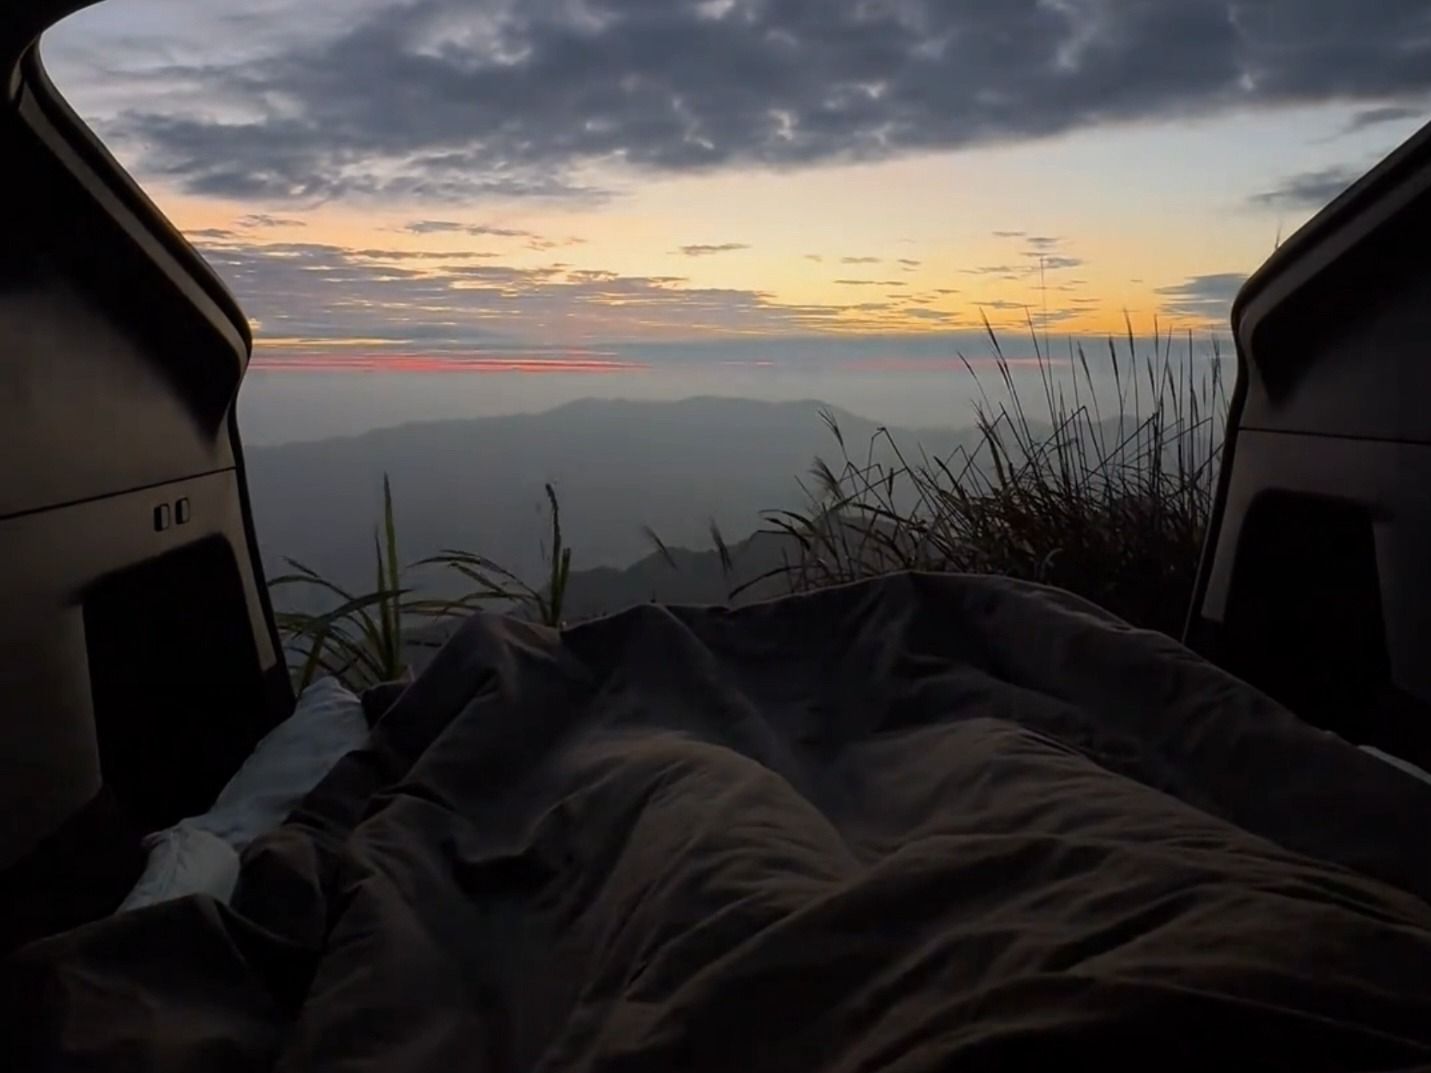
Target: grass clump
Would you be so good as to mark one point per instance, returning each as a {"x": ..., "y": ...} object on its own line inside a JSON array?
[
  {"x": 492, "y": 582},
  {"x": 359, "y": 640},
  {"x": 364, "y": 638},
  {"x": 1114, "y": 508}
]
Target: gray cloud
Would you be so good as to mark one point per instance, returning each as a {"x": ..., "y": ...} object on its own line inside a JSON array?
[
  {"x": 708, "y": 250},
  {"x": 1309, "y": 190},
  {"x": 539, "y": 243},
  {"x": 1037, "y": 248},
  {"x": 872, "y": 282},
  {"x": 534, "y": 240},
  {"x": 407, "y": 255},
  {"x": 456, "y": 99},
  {"x": 1048, "y": 317},
  {"x": 1208, "y": 297},
  {"x": 1390, "y": 113},
  {"x": 314, "y": 294},
  {"x": 284, "y": 159},
  {"x": 910, "y": 262},
  {"x": 435, "y": 227},
  {"x": 432, "y": 227},
  {"x": 859, "y": 260},
  {"x": 263, "y": 219}
]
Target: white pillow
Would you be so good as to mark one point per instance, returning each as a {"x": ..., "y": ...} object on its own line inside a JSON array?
[
  {"x": 184, "y": 860},
  {"x": 291, "y": 759}
]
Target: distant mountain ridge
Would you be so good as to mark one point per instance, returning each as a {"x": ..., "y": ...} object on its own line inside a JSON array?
[
  {"x": 617, "y": 467},
  {"x": 685, "y": 576}
]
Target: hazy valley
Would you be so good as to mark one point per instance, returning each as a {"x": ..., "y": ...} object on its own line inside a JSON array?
[{"x": 617, "y": 467}]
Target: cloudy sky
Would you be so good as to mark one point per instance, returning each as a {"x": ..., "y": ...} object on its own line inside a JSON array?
[{"x": 526, "y": 182}]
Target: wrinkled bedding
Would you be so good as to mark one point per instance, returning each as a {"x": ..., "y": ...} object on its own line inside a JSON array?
[{"x": 920, "y": 823}]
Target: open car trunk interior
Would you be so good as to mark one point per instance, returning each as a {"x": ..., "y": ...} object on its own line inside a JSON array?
[
  {"x": 919, "y": 822},
  {"x": 137, "y": 648}
]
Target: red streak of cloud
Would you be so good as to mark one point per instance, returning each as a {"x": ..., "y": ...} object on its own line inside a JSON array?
[{"x": 419, "y": 363}]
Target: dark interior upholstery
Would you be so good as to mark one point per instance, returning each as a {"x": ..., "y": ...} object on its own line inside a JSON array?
[{"x": 138, "y": 659}]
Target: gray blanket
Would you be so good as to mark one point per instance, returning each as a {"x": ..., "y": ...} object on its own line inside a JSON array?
[{"x": 921, "y": 823}]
